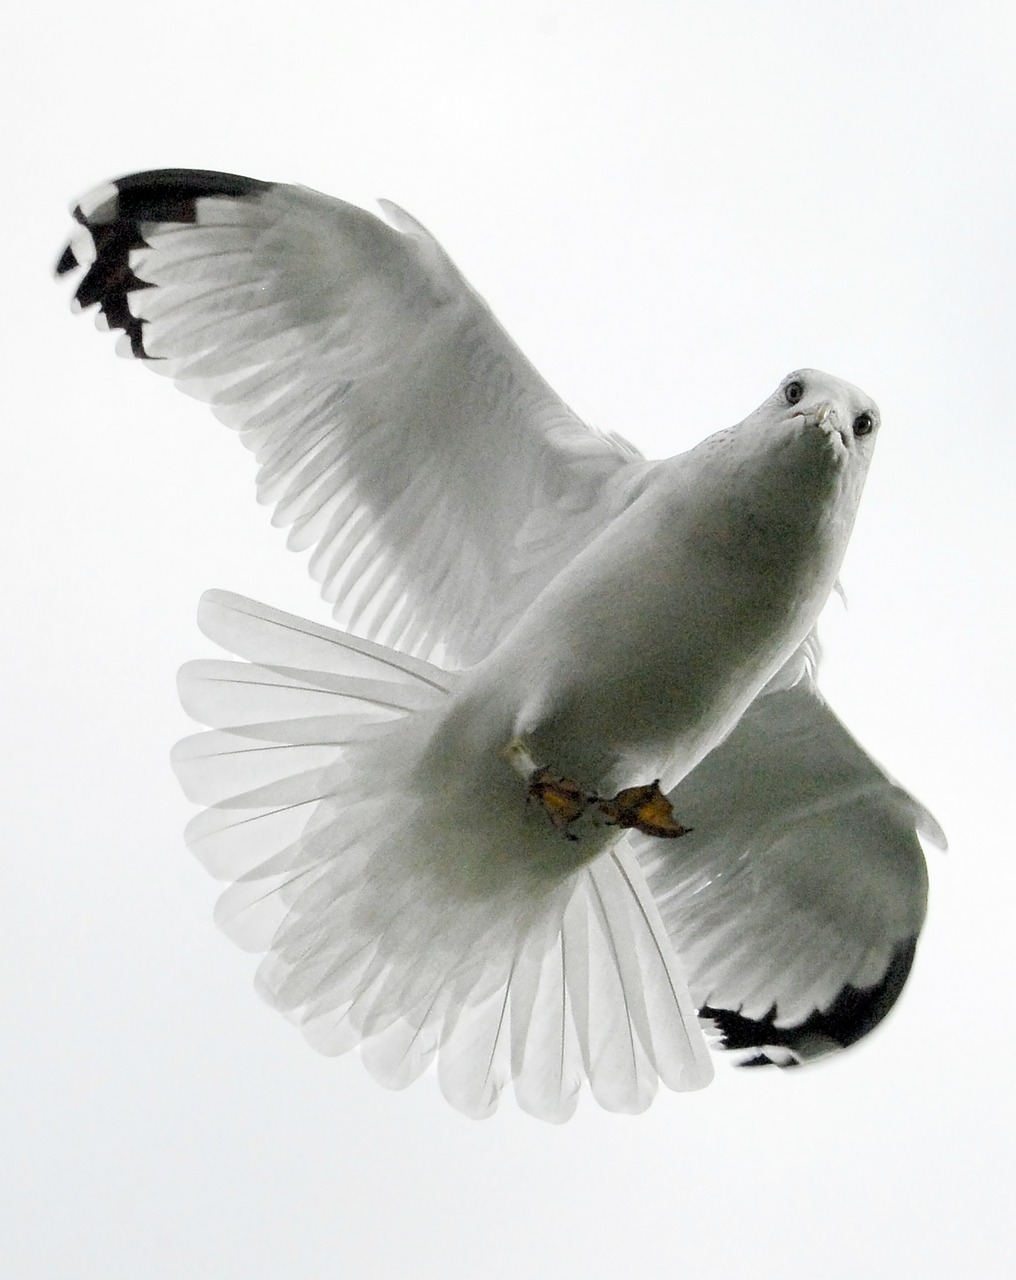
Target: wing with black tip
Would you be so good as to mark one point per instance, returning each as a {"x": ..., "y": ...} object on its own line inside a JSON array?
[
  {"x": 398, "y": 429},
  {"x": 796, "y": 901}
]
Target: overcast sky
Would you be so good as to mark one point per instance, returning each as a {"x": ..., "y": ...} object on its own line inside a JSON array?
[{"x": 669, "y": 205}]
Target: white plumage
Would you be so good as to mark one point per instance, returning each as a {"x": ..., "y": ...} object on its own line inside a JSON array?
[{"x": 613, "y": 620}]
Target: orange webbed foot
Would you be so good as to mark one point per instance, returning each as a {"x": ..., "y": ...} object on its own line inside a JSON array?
[
  {"x": 563, "y": 801},
  {"x": 644, "y": 809}
]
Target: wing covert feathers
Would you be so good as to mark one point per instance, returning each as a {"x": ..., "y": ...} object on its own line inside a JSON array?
[{"x": 389, "y": 921}]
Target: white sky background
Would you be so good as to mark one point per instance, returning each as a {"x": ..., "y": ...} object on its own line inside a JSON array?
[{"x": 669, "y": 205}]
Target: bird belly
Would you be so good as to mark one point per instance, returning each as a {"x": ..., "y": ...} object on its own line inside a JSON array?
[{"x": 648, "y": 689}]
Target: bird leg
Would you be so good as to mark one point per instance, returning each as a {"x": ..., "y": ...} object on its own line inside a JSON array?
[{"x": 644, "y": 808}]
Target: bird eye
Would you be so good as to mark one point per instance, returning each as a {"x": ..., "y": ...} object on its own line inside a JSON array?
[
  {"x": 793, "y": 391},
  {"x": 864, "y": 424}
]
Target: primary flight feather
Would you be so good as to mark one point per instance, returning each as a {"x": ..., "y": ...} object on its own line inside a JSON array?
[{"x": 563, "y": 784}]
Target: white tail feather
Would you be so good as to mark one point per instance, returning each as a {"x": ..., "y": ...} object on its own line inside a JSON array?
[{"x": 393, "y": 918}]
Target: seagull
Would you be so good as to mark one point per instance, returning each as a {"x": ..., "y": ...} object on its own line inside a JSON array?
[{"x": 558, "y": 800}]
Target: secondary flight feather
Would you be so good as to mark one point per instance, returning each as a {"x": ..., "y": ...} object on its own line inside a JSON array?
[{"x": 457, "y": 828}]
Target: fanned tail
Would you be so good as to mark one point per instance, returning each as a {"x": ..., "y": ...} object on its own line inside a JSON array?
[{"x": 393, "y": 919}]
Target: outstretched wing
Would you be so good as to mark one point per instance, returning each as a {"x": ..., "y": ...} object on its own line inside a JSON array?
[
  {"x": 796, "y": 901},
  {"x": 398, "y": 429}
]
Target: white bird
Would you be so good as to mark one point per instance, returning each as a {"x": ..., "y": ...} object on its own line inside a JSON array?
[{"x": 453, "y": 826}]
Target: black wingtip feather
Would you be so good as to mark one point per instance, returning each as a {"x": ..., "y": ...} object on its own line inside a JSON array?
[
  {"x": 761, "y": 1060},
  {"x": 156, "y": 196},
  {"x": 850, "y": 1017},
  {"x": 168, "y": 195},
  {"x": 67, "y": 262}
]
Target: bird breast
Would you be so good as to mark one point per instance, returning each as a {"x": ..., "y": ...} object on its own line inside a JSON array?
[{"x": 645, "y": 650}]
